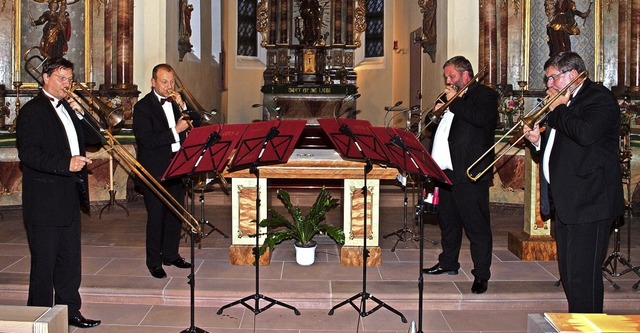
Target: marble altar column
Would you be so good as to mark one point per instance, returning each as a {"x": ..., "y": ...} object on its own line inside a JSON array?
[
  {"x": 489, "y": 35},
  {"x": 108, "y": 46},
  {"x": 124, "y": 45},
  {"x": 634, "y": 61}
]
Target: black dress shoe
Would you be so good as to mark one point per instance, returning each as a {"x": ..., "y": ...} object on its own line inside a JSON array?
[
  {"x": 158, "y": 272},
  {"x": 479, "y": 286},
  {"x": 435, "y": 270},
  {"x": 82, "y": 322},
  {"x": 180, "y": 263}
]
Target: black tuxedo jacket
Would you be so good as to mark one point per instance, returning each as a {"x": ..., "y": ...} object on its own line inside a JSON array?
[
  {"x": 472, "y": 131},
  {"x": 153, "y": 135},
  {"x": 50, "y": 192},
  {"x": 584, "y": 165}
]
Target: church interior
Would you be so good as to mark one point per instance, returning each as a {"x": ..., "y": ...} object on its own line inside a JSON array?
[{"x": 313, "y": 65}]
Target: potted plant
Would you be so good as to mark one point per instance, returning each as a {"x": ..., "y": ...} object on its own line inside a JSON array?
[{"x": 301, "y": 228}]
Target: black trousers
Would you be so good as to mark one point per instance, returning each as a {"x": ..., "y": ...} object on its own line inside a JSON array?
[
  {"x": 581, "y": 251},
  {"x": 465, "y": 207},
  {"x": 163, "y": 227},
  {"x": 55, "y": 265}
]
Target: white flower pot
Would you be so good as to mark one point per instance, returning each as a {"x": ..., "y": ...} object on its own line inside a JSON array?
[{"x": 306, "y": 255}]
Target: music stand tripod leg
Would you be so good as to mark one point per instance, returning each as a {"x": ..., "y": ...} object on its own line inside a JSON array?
[
  {"x": 256, "y": 297},
  {"x": 364, "y": 295},
  {"x": 192, "y": 274},
  {"x": 610, "y": 265},
  {"x": 204, "y": 221},
  {"x": 402, "y": 232}
]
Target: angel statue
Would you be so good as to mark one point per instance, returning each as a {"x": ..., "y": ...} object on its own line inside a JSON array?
[
  {"x": 562, "y": 23},
  {"x": 57, "y": 28}
]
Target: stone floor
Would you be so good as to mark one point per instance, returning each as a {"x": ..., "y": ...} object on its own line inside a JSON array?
[{"x": 118, "y": 289}]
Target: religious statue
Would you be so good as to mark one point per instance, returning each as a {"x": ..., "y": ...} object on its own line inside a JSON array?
[
  {"x": 185, "y": 24},
  {"x": 429, "y": 34},
  {"x": 57, "y": 28},
  {"x": 562, "y": 23},
  {"x": 311, "y": 15},
  {"x": 184, "y": 29}
]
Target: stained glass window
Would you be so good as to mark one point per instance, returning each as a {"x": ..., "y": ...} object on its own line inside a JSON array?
[
  {"x": 247, "y": 34},
  {"x": 374, "y": 36}
]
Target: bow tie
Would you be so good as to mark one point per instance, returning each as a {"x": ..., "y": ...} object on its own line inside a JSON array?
[
  {"x": 53, "y": 100},
  {"x": 162, "y": 100}
]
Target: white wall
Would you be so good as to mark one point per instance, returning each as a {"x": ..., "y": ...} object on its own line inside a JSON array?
[{"x": 149, "y": 40}]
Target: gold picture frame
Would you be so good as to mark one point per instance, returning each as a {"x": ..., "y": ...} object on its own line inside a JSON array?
[{"x": 27, "y": 36}]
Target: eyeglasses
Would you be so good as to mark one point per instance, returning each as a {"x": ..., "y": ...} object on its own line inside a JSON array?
[
  {"x": 553, "y": 77},
  {"x": 63, "y": 79}
]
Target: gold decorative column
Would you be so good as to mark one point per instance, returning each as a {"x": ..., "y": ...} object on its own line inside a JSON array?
[{"x": 534, "y": 242}]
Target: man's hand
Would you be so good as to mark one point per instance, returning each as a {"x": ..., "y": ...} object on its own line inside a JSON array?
[
  {"x": 564, "y": 99},
  {"x": 73, "y": 99},
  {"x": 533, "y": 135},
  {"x": 183, "y": 124},
  {"x": 78, "y": 162}
]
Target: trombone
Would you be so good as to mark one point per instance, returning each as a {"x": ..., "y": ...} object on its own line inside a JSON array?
[
  {"x": 205, "y": 116},
  {"x": 532, "y": 118},
  {"x": 434, "y": 114},
  {"x": 112, "y": 117}
]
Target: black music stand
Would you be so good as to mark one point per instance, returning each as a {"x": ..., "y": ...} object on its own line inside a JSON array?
[
  {"x": 207, "y": 148},
  {"x": 264, "y": 143},
  {"x": 409, "y": 155},
  {"x": 354, "y": 140}
]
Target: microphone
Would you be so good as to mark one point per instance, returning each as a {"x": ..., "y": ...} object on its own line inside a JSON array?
[
  {"x": 275, "y": 112},
  {"x": 393, "y": 108}
]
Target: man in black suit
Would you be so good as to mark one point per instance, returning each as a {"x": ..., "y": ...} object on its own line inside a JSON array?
[
  {"x": 465, "y": 132},
  {"x": 581, "y": 181},
  {"x": 51, "y": 141},
  {"x": 159, "y": 127}
]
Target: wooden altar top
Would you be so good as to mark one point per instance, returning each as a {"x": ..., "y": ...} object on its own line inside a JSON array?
[{"x": 317, "y": 164}]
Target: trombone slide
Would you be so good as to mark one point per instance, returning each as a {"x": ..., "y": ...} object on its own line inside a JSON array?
[{"x": 532, "y": 118}]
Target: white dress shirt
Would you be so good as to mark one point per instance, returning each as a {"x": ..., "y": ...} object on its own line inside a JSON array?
[
  {"x": 70, "y": 130},
  {"x": 171, "y": 120},
  {"x": 549, "y": 146},
  {"x": 440, "y": 152}
]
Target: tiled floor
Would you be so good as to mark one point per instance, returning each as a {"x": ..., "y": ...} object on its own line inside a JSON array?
[{"x": 117, "y": 288}]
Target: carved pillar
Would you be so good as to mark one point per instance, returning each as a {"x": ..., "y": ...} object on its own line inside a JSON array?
[
  {"x": 634, "y": 61},
  {"x": 124, "y": 45},
  {"x": 490, "y": 49}
]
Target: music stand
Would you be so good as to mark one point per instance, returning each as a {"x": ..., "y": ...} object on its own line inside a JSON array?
[
  {"x": 354, "y": 140},
  {"x": 264, "y": 143},
  {"x": 207, "y": 148},
  {"x": 409, "y": 155}
]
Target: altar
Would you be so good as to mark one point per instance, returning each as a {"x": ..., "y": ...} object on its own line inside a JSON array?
[{"x": 311, "y": 164}]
